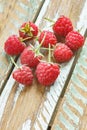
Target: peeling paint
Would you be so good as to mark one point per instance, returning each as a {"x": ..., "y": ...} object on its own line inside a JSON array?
[
  {"x": 42, "y": 12},
  {"x": 5, "y": 95},
  {"x": 49, "y": 107},
  {"x": 1, "y": 8},
  {"x": 70, "y": 114},
  {"x": 26, "y": 125},
  {"x": 83, "y": 18},
  {"x": 66, "y": 122},
  {"x": 19, "y": 89},
  {"x": 55, "y": 93}
]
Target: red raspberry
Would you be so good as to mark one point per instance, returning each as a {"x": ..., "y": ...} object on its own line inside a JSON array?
[
  {"x": 13, "y": 45},
  {"x": 28, "y": 57},
  {"x": 62, "y": 26},
  {"x": 50, "y": 38},
  {"x": 47, "y": 73},
  {"x": 28, "y": 29},
  {"x": 74, "y": 40},
  {"x": 23, "y": 75},
  {"x": 62, "y": 53}
]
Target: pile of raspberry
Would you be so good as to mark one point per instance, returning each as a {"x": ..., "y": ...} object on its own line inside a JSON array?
[{"x": 60, "y": 46}]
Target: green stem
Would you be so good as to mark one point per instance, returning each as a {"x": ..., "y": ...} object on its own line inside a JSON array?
[
  {"x": 49, "y": 20},
  {"x": 27, "y": 38},
  {"x": 49, "y": 55},
  {"x": 46, "y": 48},
  {"x": 12, "y": 60},
  {"x": 32, "y": 47},
  {"x": 79, "y": 30},
  {"x": 41, "y": 43},
  {"x": 40, "y": 30},
  {"x": 59, "y": 65}
]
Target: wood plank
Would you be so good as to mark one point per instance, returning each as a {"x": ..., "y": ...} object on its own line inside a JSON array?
[
  {"x": 73, "y": 108},
  {"x": 33, "y": 108},
  {"x": 12, "y": 15},
  {"x": 52, "y": 95},
  {"x": 72, "y": 111},
  {"x": 5, "y": 6}
]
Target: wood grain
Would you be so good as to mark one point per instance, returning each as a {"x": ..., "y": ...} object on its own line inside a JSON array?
[
  {"x": 73, "y": 108},
  {"x": 72, "y": 112},
  {"x": 12, "y": 15},
  {"x": 52, "y": 95},
  {"x": 31, "y": 104}
]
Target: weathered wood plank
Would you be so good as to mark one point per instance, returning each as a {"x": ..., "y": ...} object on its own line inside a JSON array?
[
  {"x": 73, "y": 106},
  {"x": 47, "y": 107},
  {"x": 52, "y": 95},
  {"x": 73, "y": 109},
  {"x": 12, "y": 15},
  {"x": 33, "y": 108},
  {"x": 5, "y": 7}
]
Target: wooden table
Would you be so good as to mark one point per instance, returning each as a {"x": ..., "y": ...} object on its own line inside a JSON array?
[{"x": 63, "y": 105}]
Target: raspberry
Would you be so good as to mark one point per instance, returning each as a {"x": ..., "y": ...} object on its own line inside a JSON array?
[
  {"x": 49, "y": 38},
  {"x": 62, "y": 26},
  {"x": 28, "y": 57},
  {"x": 47, "y": 73},
  {"x": 23, "y": 75},
  {"x": 28, "y": 30},
  {"x": 62, "y": 53},
  {"x": 13, "y": 45},
  {"x": 74, "y": 40}
]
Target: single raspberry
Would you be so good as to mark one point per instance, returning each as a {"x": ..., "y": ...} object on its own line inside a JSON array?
[
  {"x": 47, "y": 73},
  {"x": 28, "y": 30},
  {"x": 28, "y": 57},
  {"x": 74, "y": 40},
  {"x": 13, "y": 45},
  {"x": 62, "y": 53},
  {"x": 62, "y": 26},
  {"x": 23, "y": 75},
  {"x": 50, "y": 38}
]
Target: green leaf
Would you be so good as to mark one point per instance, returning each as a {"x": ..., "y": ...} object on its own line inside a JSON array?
[{"x": 22, "y": 30}]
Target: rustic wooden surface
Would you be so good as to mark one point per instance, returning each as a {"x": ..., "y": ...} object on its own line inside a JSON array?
[
  {"x": 72, "y": 112},
  {"x": 12, "y": 15},
  {"x": 32, "y": 108}
]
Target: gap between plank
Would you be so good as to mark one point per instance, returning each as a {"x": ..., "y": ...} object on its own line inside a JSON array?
[{"x": 65, "y": 86}]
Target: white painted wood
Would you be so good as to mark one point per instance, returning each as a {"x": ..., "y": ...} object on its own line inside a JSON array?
[
  {"x": 5, "y": 95},
  {"x": 7, "y": 90},
  {"x": 47, "y": 108},
  {"x": 10, "y": 83},
  {"x": 59, "y": 84},
  {"x": 74, "y": 104},
  {"x": 26, "y": 125},
  {"x": 42, "y": 12}
]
